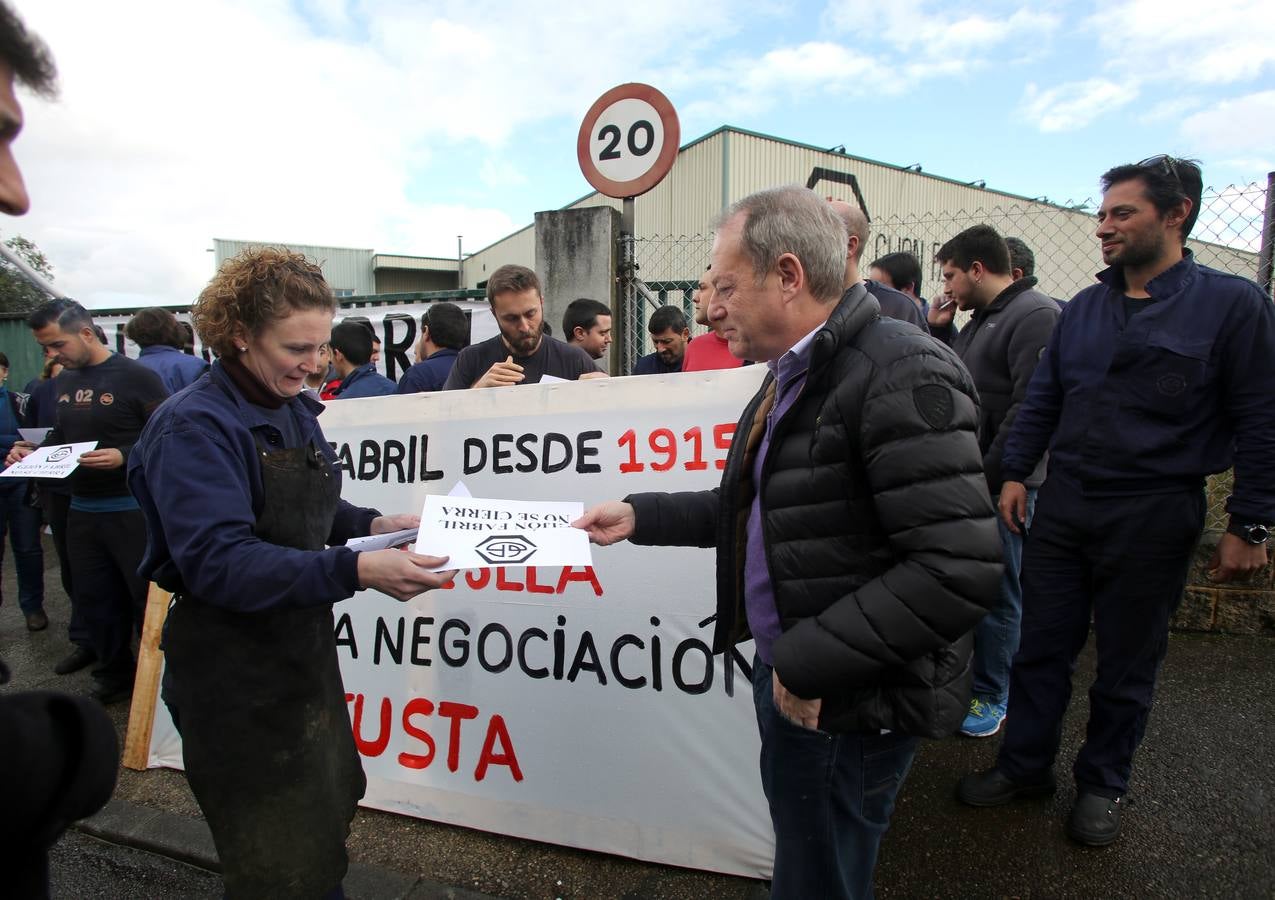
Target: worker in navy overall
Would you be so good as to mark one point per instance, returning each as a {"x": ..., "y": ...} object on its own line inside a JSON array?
[
  {"x": 241, "y": 494},
  {"x": 1160, "y": 374}
]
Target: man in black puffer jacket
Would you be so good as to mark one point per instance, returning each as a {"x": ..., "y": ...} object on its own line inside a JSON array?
[{"x": 868, "y": 554}]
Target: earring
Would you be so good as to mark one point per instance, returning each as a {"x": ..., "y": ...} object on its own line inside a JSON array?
[{"x": 242, "y": 349}]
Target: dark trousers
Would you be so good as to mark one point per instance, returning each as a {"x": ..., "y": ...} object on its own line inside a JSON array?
[
  {"x": 57, "y": 506},
  {"x": 106, "y": 551},
  {"x": 1122, "y": 561},
  {"x": 21, "y": 522},
  {"x": 830, "y": 796}
]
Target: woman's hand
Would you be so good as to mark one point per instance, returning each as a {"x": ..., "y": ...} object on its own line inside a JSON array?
[{"x": 401, "y": 573}]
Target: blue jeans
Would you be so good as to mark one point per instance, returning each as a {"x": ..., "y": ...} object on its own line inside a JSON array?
[
  {"x": 996, "y": 636},
  {"x": 830, "y": 796},
  {"x": 22, "y": 522}
]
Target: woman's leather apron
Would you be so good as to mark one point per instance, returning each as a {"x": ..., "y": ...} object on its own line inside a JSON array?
[{"x": 260, "y": 705}]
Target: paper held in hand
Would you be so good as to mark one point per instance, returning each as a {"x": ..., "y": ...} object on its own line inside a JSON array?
[
  {"x": 57, "y": 461},
  {"x": 477, "y": 533}
]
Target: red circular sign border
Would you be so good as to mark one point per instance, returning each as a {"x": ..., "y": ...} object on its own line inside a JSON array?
[{"x": 663, "y": 163}]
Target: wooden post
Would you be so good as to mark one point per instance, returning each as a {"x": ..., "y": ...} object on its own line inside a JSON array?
[{"x": 150, "y": 663}]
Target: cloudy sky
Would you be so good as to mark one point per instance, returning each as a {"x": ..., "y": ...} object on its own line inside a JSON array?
[{"x": 399, "y": 124}]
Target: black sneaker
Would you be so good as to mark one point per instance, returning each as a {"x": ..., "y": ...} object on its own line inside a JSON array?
[
  {"x": 995, "y": 788},
  {"x": 37, "y": 621},
  {"x": 4, "y": 673},
  {"x": 1094, "y": 821},
  {"x": 77, "y": 659}
]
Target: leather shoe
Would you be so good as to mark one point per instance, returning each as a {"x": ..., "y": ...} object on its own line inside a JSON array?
[
  {"x": 37, "y": 621},
  {"x": 4, "y": 673},
  {"x": 106, "y": 694},
  {"x": 995, "y": 788},
  {"x": 76, "y": 660},
  {"x": 1095, "y": 820}
]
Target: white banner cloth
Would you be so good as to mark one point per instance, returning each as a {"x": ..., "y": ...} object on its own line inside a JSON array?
[{"x": 573, "y": 705}]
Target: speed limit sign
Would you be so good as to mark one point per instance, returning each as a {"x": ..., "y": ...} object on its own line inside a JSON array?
[{"x": 628, "y": 140}]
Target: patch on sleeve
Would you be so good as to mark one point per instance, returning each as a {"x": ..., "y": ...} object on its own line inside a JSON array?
[{"x": 934, "y": 403}]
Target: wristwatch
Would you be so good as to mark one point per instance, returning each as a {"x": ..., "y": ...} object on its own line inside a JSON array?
[{"x": 1253, "y": 534}]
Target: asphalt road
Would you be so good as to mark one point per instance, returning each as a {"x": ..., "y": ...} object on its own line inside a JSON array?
[{"x": 1200, "y": 820}]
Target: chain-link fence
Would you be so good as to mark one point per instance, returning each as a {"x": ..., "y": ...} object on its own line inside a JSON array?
[{"x": 1228, "y": 236}]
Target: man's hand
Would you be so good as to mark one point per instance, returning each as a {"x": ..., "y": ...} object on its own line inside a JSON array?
[
  {"x": 800, "y": 712},
  {"x": 110, "y": 458},
  {"x": 608, "y": 523},
  {"x": 400, "y": 573},
  {"x": 1236, "y": 559},
  {"x": 501, "y": 374},
  {"x": 390, "y": 524},
  {"x": 1013, "y": 505},
  {"x": 942, "y": 311},
  {"x": 19, "y": 451},
  {"x": 587, "y": 375}
]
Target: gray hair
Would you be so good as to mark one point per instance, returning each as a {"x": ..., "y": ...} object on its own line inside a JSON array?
[{"x": 793, "y": 219}]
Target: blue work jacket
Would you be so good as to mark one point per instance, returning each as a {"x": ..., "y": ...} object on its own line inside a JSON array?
[
  {"x": 1180, "y": 390},
  {"x": 175, "y": 368},
  {"x": 364, "y": 381},
  {"x": 196, "y": 473}
]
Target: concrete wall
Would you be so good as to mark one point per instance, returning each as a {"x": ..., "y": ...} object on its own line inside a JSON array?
[{"x": 576, "y": 255}]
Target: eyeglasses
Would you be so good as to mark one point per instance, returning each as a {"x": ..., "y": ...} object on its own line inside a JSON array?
[{"x": 1164, "y": 164}]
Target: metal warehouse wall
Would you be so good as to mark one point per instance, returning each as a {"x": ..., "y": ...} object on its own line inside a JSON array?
[
  {"x": 26, "y": 357},
  {"x": 518, "y": 248},
  {"x": 346, "y": 269}
]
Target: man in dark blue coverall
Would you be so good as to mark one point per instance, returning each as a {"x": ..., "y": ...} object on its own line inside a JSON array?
[{"x": 1160, "y": 374}]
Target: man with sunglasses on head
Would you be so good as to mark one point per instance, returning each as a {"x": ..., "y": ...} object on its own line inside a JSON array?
[{"x": 1157, "y": 376}]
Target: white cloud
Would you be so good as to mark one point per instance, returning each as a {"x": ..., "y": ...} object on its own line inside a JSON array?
[
  {"x": 1178, "y": 41},
  {"x": 1074, "y": 105},
  {"x": 937, "y": 28},
  {"x": 1243, "y": 125},
  {"x": 322, "y": 124}
]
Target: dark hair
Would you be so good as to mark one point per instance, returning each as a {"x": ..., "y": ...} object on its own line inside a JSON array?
[
  {"x": 4, "y": 361},
  {"x": 66, "y": 313},
  {"x": 582, "y": 313},
  {"x": 1021, "y": 256},
  {"x": 26, "y": 54},
  {"x": 155, "y": 326},
  {"x": 354, "y": 340},
  {"x": 667, "y": 317},
  {"x": 447, "y": 325},
  {"x": 903, "y": 268},
  {"x": 979, "y": 243},
  {"x": 255, "y": 288},
  {"x": 1168, "y": 182},
  {"x": 512, "y": 280}
]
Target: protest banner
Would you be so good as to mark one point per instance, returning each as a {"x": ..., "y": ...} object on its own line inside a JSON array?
[
  {"x": 398, "y": 327},
  {"x": 578, "y": 705}
]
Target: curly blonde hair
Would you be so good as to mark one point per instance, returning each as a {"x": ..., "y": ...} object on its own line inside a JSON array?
[{"x": 255, "y": 288}]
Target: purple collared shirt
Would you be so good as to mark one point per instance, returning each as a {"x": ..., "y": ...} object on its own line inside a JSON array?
[{"x": 759, "y": 594}]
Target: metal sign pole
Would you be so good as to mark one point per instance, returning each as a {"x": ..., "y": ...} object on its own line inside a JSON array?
[{"x": 628, "y": 289}]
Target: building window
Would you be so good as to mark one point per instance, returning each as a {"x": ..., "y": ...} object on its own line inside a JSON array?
[{"x": 343, "y": 292}]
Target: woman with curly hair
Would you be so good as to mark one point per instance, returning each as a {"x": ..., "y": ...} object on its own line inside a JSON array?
[{"x": 245, "y": 526}]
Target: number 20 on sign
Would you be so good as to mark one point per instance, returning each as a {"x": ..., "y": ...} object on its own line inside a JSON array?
[{"x": 628, "y": 140}]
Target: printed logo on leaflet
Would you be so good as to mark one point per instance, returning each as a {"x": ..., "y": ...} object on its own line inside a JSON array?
[
  {"x": 59, "y": 454},
  {"x": 505, "y": 548}
]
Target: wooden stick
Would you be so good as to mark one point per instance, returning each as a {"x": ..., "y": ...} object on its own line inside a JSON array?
[{"x": 150, "y": 663}]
